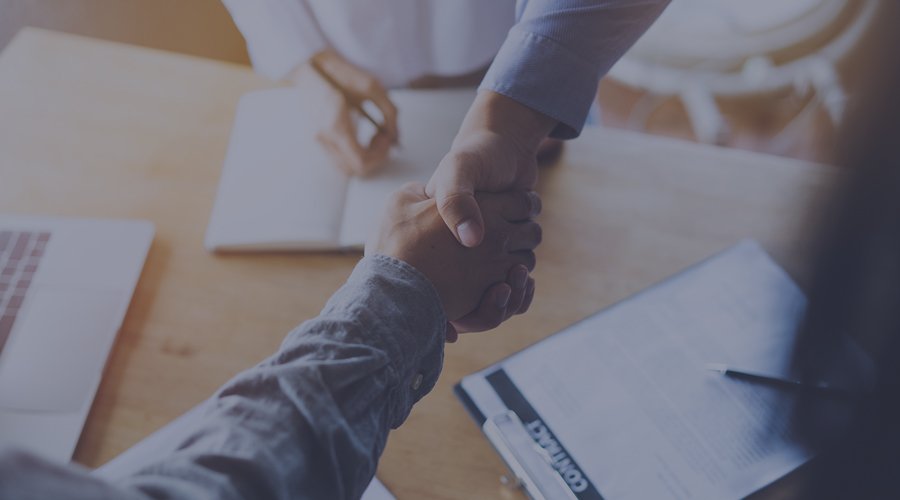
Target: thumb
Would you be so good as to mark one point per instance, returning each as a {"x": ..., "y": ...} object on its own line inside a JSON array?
[
  {"x": 453, "y": 187},
  {"x": 462, "y": 215}
]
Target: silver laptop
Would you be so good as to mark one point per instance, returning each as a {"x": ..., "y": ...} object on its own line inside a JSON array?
[{"x": 65, "y": 285}]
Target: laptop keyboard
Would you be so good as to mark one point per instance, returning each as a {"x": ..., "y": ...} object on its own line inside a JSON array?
[{"x": 20, "y": 255}]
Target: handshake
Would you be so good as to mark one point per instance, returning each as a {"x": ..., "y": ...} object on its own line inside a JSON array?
[
  {"x": 470, "y": 231},
  {"x": 479, "y": 287}
]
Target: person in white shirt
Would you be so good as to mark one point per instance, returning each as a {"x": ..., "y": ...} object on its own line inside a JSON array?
[{"x": 368, "y": 46}]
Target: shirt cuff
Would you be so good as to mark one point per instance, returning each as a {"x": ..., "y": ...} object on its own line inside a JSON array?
[
  {"x": 403, "y": 312},
  {"x": 520, "y": 71}
]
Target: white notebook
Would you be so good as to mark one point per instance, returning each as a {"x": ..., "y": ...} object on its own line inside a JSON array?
[{"x": 280, "y": 190}]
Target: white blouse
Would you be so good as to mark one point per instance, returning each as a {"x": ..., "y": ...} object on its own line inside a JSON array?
[{"x": 396, "y": 40}]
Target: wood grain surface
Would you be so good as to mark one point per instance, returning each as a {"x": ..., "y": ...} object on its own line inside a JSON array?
[{"x": 98, "y": 129}]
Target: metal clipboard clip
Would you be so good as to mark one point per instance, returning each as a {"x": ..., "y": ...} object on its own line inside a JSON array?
[{"x": 528, "y": 463}]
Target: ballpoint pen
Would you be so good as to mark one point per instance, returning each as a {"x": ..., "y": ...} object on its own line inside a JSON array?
[{"x": 820, "y": 388}]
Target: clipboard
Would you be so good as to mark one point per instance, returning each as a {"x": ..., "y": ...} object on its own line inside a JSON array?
[{"x": 553, "y": 448}]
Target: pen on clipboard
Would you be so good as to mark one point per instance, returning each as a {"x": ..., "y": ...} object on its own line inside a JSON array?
[
  {"x": 790, "y": 384},
  {"x": 352, "y": 101}
]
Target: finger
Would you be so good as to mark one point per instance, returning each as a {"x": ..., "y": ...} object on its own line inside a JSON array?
[
  {"x": 529, "y": 296},
  {"x": 451, "y": 335},
  {"x": 517, "y": 279},
  {"x": 355, "y": 158},
  {"x": 461, "y": 213},
  {"x": 524, "y": 236},
  {"x": 491, "y": 311},
  {"x": 513, "y": 206},
  {"x": 349, "y": 159},
  {"x": 453, "y": 186},
  {"x": 343, "y": 139},
  {"x": 382, "y": 101},
  {"x": 361, "y": 160},
  {"x": 377, "y": 152},
  {"x": 525, "y": 258}
]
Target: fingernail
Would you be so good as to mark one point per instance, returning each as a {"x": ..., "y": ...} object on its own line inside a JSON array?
[
  {"x": 467, "y": 233},
  {"x": 503, "y": 297},
  {"x": 519, "y": 278}
]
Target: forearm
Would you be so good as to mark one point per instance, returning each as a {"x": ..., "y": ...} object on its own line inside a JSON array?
[
  {"x": 555, "y": 55},
  {"x": 312, "y": 420}
]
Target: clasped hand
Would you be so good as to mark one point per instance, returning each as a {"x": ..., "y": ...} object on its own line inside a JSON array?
[{"x": 479, "y": 287}]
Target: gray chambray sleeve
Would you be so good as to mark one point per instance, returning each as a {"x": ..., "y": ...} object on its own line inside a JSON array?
[{"x": 308, "y": 422}]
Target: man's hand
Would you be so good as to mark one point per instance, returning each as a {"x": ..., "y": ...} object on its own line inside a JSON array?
[
  {"x": 476, "y": 285},
  {"x": 498, "y": 304},
  {"x": 339, "y": 132},
  {"x": 494, "y": 151}
]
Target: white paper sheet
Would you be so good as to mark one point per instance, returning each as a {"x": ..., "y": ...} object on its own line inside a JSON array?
[
  {"x": 377, "y": 491},
  {"x": 628, "y": 395},
  {"x": 279, "y": 188}
]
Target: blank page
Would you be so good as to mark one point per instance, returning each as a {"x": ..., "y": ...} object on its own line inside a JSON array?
[{"x": 279, "y": 189}]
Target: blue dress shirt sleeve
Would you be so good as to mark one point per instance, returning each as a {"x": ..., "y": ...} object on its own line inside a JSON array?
[{"x": 555, "y": 55}]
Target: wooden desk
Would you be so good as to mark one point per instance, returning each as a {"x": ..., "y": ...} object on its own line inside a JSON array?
[{"x": 95, "y": 129}]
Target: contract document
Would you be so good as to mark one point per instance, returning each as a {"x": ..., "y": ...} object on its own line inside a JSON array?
[{"x": 622, "y": 405}]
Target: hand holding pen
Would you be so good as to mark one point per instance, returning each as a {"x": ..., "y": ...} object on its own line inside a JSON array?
[{"x": 346, "y": 89}]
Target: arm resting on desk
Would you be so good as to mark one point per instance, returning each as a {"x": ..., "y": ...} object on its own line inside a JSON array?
[{"x": 309, "y": 422}]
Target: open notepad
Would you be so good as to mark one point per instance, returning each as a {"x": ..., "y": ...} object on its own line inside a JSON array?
[{"x": 280, "y": 190}]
